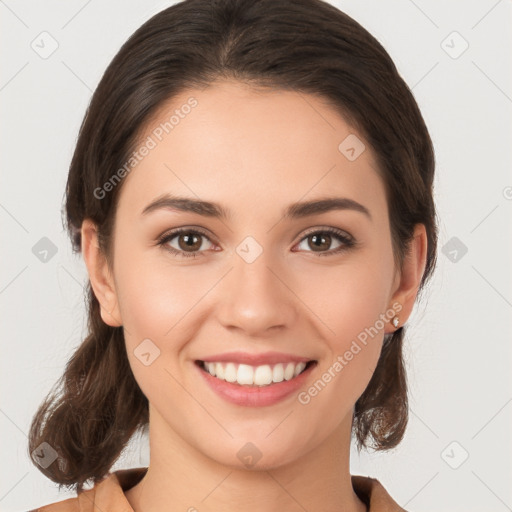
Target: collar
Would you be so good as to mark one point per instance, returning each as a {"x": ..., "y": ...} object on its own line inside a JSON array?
[{"x": 108, "y": 494}]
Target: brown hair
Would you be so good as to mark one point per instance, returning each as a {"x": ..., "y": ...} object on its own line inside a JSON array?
[{"x": 302, "y": 45}]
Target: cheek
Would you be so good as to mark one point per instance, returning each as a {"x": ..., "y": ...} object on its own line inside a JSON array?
[
  {"x": 351, "y": 352},
  {"x": 154, "y": 296},
  {"x": 346, "y": 299},
  {"x": 156, "y": 304},
  {"x": 351, "y": 304}
]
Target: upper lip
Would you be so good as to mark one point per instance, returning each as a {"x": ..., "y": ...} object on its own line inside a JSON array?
[{"x": 256, "y": 359}]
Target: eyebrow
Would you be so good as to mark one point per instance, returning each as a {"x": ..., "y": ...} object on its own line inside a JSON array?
[{"x": 293, "y": 211}]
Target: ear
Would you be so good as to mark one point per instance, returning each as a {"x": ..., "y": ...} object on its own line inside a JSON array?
[
  {"x": 102, "y": 281},
  {"x": 408, "y": 281}
]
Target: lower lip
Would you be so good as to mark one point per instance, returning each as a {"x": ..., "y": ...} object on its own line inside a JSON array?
[{"x": 255, "y": 396}]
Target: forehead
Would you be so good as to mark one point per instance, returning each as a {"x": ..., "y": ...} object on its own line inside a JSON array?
[{"x": 251, "y": 149}]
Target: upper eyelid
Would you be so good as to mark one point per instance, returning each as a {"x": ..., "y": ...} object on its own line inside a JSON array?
[{"x": 331, "y": 230}]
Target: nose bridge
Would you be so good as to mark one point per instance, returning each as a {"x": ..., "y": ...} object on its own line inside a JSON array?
[{"x": 255, "y": 298}]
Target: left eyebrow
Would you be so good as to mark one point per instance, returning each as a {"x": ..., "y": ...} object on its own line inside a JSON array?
[
  {"x": 294, "y": 211},
  {"x": 318, "y": 206}
]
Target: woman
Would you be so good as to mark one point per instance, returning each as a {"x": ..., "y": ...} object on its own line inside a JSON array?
[{"x": 251, "y": 191}]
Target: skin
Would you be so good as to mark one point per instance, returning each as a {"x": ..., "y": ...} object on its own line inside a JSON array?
[{"x": 254, "y": 152}]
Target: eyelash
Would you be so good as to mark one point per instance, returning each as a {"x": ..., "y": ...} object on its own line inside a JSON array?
[{"x": 348, "y": 242}]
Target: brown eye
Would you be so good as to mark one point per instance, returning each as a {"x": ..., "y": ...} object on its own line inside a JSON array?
[
  {"x": 320, "y": 241},
  {"x": 189, "y": 242}
]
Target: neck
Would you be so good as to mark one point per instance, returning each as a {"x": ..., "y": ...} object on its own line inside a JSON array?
[{"x": 181, "y": 478}]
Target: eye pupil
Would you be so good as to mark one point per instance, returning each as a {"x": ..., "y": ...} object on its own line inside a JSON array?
[
  {"x": 318, "y": 238},
  {"x": 191, "y": 241}
]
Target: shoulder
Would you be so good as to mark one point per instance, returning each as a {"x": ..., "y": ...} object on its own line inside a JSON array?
[
  {"x": 69, "y": 505},
  {"x": 106, "y": 495},
  {"x": 86, "y": 500},
  {"x": 374, "y": 495}
]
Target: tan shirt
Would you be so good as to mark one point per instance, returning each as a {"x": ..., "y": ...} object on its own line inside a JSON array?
[{"x": 108, "y": 495}]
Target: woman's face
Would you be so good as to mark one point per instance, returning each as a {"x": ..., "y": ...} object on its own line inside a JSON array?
[{"x": 256, "y": 280}]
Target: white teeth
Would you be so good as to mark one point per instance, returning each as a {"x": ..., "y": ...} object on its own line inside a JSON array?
[
  {"x": 289, "y": 371},
  {"x": 245, "y": 374},
  {"x": 219, "y": 370},
  {"x": 230, "y": 372},
  {"x": 299, "y": 368},
  {"x": 278, "y": 373},
  {"x": 263, "y": 375}
]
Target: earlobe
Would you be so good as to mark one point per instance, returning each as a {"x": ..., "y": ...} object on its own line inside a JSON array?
[
  {"x": 412, "y": 272},
  {"x": 101, "y": 279}
]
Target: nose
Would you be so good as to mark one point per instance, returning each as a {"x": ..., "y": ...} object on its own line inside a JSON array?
[{"x": 255, "y": 297}]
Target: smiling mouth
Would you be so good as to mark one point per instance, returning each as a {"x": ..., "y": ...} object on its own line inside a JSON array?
[{"x": 255, "y": 376}]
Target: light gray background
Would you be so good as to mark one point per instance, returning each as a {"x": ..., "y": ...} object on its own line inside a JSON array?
[{"x": 459, "y": 341}]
